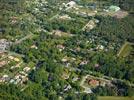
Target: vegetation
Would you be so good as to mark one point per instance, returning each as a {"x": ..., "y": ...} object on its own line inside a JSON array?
[
  {"x": 126, "y": 50},
  {"x": 114, "y": 98},
  {"x": 59, "y": 62}
]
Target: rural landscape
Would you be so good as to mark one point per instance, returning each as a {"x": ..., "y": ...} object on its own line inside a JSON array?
[{"x": 66, "y": 49}]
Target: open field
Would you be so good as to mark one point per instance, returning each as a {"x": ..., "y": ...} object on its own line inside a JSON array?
[
  {"x": 114, "y": 98},
  {"x": 126, "y": 49}
]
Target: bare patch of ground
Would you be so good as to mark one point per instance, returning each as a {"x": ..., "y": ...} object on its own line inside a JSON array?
[{"x": 120, "y": 14}]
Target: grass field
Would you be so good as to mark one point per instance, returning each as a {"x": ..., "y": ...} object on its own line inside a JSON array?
[
  {"x": 125, "y": 50},
  {"x": 114, "y": 98}
]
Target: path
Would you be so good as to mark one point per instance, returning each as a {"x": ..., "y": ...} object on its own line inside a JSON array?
[
  {"x": 102, "y": 78},
  {"x": 24, "y": 38},
  {"x": 54, "y": 17}
]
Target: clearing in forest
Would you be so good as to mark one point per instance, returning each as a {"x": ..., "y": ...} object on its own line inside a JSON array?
[{"x": 126, "y": 49}]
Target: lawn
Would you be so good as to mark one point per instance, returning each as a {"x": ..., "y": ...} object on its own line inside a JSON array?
[
  {"x": 125, "y": 49},
  {"x": 114, "y": 98}
]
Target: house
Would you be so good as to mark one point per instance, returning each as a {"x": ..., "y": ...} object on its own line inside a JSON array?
[
  {"x": 2, "y": 63},
  {"x": 65, "y": 17},
  {"x": 65, "y": 76},
  {"x": 23, "y": 73},
  {"x": 71, "y": 4},
  {"x": 2, "y": 55},
  {"x": 97, "y": 21},
  {"x": 5, "y": 78},
  {"x": 17, "y": 76},
  {"x": 113, "y": 8},
  {"x": 11, "y": 57},
  {"x": 4, "y": 44},
  {"x": 26, "y": 69},
  {"x": 67, "y": 64},
  {"x": 60, "y": 47},
  {"x": 57, "y": 33},
  {"x": 90, "y": 25},
  {"x": 24, "y": 79},
  {"x": 96, "y": 65},
  {"x": 73, "y": 59},
  {"x": 67, "y": 87},
  {"x": 75, "y": 79},
  {"x": 14, "y": 20},
  {"x": 102, "y": 83},
  {"x": 64, "y": 59},
  {"x": 34, "y": 47},
  {"x": 93, "y": 82},
  {"x": 12, "y": 81},
  {"x": 84, "y": 62},
  {"x": 16, "y": 59},
  {"x": 1, "y": 80},
  {"x": 100, "y": 47},
  {"x": 88, "y": 90},
  {"x": 18, "y": 81}
]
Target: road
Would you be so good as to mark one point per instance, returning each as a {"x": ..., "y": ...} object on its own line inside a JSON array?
[
  {"x": 54, "y": 17},
  {"x": 24, "y": 38},
  {"x": 102, "y": 78},
  {"x": 13, "y": 53},
  {"x": 85, "y": 26}
]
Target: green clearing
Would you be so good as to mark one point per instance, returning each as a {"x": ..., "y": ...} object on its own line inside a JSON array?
[
  {"x": 125, "y": 49},
  {"x": 114, "y": 98}
]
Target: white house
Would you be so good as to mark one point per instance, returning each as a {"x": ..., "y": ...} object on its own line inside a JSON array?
[{"x": 71, "y": 4}]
